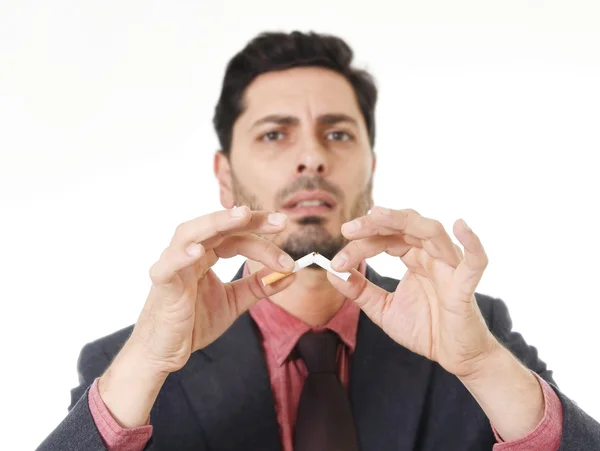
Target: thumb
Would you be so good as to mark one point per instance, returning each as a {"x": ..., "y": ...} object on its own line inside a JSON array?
[
  {"x": 369, "y": 297},
  {"x": 470, "y": 271},
  {"x": 244, "y": 293}
]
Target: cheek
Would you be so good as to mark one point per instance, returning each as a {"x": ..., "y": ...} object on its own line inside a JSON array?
[
  {"x": 358, "y": 201},
  {"x": 265, "y": 185}
]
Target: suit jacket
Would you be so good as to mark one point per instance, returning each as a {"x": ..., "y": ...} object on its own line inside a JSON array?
[{"x": 221, "y": 400}]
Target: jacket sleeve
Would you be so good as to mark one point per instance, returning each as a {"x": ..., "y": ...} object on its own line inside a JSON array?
[{"x": 580, "y": 431}]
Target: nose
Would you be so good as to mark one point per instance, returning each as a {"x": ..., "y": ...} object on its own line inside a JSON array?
[
  {"x": 306, "y": 168},
  {"x": 313, "y": 160}
]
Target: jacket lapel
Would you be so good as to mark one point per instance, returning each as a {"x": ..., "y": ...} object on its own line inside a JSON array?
[
  {"x": 228, "y": 386},
  {"x": 388, "y": 384}
]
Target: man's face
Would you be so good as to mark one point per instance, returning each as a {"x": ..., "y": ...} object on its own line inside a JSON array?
[{"x": 301, "y": 133}]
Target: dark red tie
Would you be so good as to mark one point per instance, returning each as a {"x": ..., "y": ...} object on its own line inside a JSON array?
[{"x": 324, "y": 421}]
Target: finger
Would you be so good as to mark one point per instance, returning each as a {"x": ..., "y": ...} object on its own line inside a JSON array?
[
  {"x": 202, "y": 265},
  {"x": 475, "y": 260},
  {"x": 396, "y": 246},
  {"x": 362, "y": 227},
  {"x": 258, "y": 249},
  {"x": 435, "y": 239},
  {"x": 219, "y": 224},
  {"x": 191, "y": 274},
  {"x": 357, "y": 250},
  {"x": 245, "y": 292},
  {"x": 365, "y": 226},
  {"x": 172, "y": 260},
  {"x": 372, "y": 299},
  {"x": 459, "y": 251}
]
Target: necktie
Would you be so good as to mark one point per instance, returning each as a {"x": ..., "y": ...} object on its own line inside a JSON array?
[{"x": 324, "y": 421}]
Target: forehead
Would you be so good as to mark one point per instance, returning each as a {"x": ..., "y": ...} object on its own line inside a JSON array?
[{"x": 305, "y": 92}]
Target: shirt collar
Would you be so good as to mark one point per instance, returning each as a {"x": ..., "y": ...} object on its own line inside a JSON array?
[{"x": 281, "y": 330}]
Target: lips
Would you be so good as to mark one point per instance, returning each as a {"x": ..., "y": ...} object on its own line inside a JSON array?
[
  {"x": 308, "y": 203},
  {"x": 310, "y": 198}
]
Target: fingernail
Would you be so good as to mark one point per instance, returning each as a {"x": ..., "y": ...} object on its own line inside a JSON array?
[
  {"x": 193, "y": 250},
  {"x": 383, "y": 210},
  {"x": 276, "y": 218},
  {"x": 236, "y": 212},
  {"x": 466, "y": 225},
  {"x": 351, "y": 226},
  {"x": 286, "y": 261},
  {"x": 339, "y": 261}
]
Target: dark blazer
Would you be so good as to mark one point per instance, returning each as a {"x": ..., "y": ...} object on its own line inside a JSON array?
[{"x": 221, "y": 400}]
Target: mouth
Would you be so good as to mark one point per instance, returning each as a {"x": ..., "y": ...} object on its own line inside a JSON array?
[
  {"x": 308, "y": 210},
  {"x": 309, "y": 203}
]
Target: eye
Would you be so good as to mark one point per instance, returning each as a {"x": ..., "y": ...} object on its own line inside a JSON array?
[
  {"x": 272, "y": 136},
  {"x": 339, "y": 135}
]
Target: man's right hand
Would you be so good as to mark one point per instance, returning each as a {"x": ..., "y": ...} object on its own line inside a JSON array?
[{"x": 188, "y": 306}]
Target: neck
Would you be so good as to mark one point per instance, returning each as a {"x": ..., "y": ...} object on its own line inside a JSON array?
[{"x": 310, "y": 298}]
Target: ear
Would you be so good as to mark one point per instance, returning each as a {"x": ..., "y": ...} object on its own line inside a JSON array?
[
  {"x": 374, "y": 162},
  {"x": 373, "y": 175},
  {"x": 222, "y": 171}
]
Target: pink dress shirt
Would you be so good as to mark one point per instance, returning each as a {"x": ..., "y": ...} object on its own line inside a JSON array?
[{"x": 279, "y": 333}]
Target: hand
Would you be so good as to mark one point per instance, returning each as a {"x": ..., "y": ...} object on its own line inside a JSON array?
[
  {"x": 188, "y": 306},
  {"x": 433, "y": 311}
]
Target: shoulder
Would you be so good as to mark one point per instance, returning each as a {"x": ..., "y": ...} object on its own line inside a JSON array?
[
  {"x": 495, "y": 312},
  {"x": 99, "y": 353},
  {"x": 95, "y": 357},
  {"x": 110, "y": 345}
]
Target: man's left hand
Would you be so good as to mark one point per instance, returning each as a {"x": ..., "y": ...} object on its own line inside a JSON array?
[{"x": 433, "y": 311}]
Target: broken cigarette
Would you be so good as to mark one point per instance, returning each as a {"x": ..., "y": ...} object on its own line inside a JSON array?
[{"x": 307, "y": 260}]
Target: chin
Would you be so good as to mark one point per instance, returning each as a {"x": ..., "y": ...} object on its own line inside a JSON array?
[{"x": 313, "y": 239}]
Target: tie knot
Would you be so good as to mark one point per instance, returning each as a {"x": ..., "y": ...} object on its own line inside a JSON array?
[{"x": 319, "y": 351}]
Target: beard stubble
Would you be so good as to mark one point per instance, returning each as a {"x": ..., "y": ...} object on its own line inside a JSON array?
[{"x": 312, "y": 236}]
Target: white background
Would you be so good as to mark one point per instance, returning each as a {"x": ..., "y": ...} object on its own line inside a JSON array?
[{"x": 489, "y": 111}]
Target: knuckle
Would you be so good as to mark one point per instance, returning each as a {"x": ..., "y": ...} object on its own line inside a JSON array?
[
  {"x": 438, "y": 227},
  {"x": 155, "y": 273},
  {"x": 403, "y": 216},
  {"x": 181, "y": 229},
  {"x": 485, "y": 260}
]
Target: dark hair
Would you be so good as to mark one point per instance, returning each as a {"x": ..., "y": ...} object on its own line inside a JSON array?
[{"x": 278, "y": 51}]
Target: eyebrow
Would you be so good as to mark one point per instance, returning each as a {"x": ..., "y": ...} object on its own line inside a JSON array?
[
  {"x": 324, "y": 119},
  {"x": 332, "y": 119},
  {"x": 278, "y": 119}
]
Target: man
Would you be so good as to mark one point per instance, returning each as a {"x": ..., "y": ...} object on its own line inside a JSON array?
[{"x": 313, "y": 362}]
